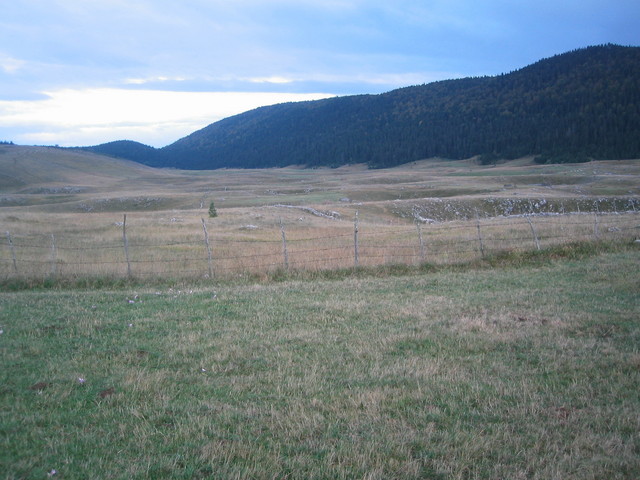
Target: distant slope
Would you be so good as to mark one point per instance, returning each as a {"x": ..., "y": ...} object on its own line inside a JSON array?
[
  {"x": 125, "y": 149},
  {"x": 578, "y": 104},
  {"x": 49, "y": 169}
]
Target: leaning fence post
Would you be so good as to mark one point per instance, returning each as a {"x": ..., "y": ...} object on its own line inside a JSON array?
[
  {"x": 285, "y": 254},
  {"x": 533, "y": 232},
  {"x": 13, "y": 253},
  {"x": 53, "y": 255},
  {"x": 126, "y": 244},
  {"x": 206, "y": 241},
  {"x": 479, "y": 234},
  {"x": 422, "y": 250},
  {"x": 355, "y": 241}
]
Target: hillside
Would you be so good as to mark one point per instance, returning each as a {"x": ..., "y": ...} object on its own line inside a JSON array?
[
  {"x": 578, "y": 105},
  {"x": 64, "y": 180},
  {"x": 51, "y": 168}
]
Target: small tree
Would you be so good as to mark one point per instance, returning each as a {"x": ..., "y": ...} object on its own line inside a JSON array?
[{"x": 212, "y": 210}]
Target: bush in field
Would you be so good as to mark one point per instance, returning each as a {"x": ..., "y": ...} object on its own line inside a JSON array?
[{"x": 212, "y": 210}]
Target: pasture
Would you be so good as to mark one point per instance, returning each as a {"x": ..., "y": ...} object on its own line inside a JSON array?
[
  {"x": 527, "y": 370},
  {"x": 490, "y": 329},
  {"x": 66, "y": 221}
]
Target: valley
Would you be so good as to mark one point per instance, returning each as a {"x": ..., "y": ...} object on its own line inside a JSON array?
[
  {"x": 484, "y": 326},
  {"x": 66, "y": 213}
]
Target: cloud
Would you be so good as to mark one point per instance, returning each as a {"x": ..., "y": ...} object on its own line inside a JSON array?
[
  {"x": 101, "y": 60},
  {"x": 9, "y": 64},
  {"x": 273, "y": 79},
  {"x": 75, "y": 117},
  {"x": 157, "y": 79}
]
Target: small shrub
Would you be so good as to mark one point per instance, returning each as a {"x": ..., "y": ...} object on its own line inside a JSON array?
[{"x": 212, "y": 210}]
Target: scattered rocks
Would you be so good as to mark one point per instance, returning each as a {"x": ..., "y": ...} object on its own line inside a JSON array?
[
  {"x": 443, "y": 210},
  {"x": 313, "y": 211}
]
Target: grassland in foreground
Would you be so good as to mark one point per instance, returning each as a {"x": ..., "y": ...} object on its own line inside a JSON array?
[{"x": 529, "y": 371}]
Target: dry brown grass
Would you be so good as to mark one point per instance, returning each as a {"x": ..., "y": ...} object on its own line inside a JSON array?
[
  {"x": 67, "y": 222},
  {"x": 161, "y": 246}
]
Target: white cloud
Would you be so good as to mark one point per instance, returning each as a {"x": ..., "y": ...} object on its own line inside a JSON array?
[
  {"x": 273, "y": 79},
  {"x": 157, "y": 79},
  {"x": 9, "y": 64},
  {"x": 388, "y": 81},
  {"x": 85, "y": 117}
]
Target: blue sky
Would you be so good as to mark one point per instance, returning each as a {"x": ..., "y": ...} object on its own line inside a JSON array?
[{"x": 84, "y": 72}]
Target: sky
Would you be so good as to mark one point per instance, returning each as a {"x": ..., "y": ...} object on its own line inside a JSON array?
[{"x": 85, "y": 72}]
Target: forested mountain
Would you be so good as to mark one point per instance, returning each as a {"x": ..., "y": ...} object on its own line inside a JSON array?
[
  {"x": 126, "y": 149},
  {"x": 584, "y": 103}
]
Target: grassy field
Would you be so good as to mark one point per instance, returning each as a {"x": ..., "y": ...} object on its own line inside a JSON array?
[
  {"x": 527, "y": 370},
  {"x": 520, "y": 371},
  {"x": 494, "y": 360},
  {"x": 52, "y": 181},
  {"x": 61, "y": 214},
  {"x": 73, "y": 247}
]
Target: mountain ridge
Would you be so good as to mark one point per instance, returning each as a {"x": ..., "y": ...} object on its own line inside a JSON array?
[{"x": 570, "y": 107}]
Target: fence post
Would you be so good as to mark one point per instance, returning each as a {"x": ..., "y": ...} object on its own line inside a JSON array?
[
  {"x": 206, "y": 241},
  {"x": 126, "y": 244},
  {"x": 533, "y": 232},
  {"x": 284, "y": 246},
  {"x": 355, "y": 241},
  {"x": 479, "y": 234},
  {"x": 595, "y": 225},
  {"x": 13, "y": 253},
  {"x": 422, "y": 250},
  {"x": 53, "y": 255}
]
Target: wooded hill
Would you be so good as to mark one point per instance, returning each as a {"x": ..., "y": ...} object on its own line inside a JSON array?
[{"x": 571, "y": 107}]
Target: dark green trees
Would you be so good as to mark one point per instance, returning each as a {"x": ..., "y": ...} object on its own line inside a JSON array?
[
  {"x": 581, "y": 104},
  {"x": 212, "y": 210}
]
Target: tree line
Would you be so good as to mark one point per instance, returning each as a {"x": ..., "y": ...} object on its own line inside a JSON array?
[{"x": 572, "y": 107}]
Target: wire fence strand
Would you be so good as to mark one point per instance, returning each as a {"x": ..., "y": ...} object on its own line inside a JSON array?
[{"x": 39, "y": 256}]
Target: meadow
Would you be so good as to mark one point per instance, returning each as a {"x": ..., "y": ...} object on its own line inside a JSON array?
[
  {"x": 505, "y": 344},
  {"x": 529, "y": 369},
  {"x": 66, "y": 221}
]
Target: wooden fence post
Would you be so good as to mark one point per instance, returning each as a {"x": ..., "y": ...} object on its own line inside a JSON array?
[
  {"x": 479, "y": 234},
  {"x": 206, "y": 241},
  {"x": 595, "y": 225},
  {"x": 285, "y": 254},
  {"x": 126, "y": 244},
  {"x": 355, "y": 241},
  {"x": 422, "y": 250},
  {"x": 13, "y": 253},
  {"x": 533, "y": 232},
  {"x": 53, "y": 255}
]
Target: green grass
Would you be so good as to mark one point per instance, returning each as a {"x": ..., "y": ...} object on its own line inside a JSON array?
[{"x": 529, "y": 369}]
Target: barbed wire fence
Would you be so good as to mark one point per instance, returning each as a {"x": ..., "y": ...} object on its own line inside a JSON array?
[{"x": 218, "y": 255}]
